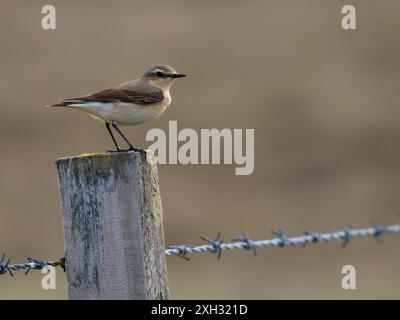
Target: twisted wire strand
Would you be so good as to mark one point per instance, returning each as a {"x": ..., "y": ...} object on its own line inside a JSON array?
[
  {"x": 281, "y": 240},
  {"x": 32, "y": 264},
  {"x": 242, "y": 241}
]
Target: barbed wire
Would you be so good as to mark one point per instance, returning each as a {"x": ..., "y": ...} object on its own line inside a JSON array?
[
  {"x": 242, "y": 241},
  {"x": 32, "y": 264}
]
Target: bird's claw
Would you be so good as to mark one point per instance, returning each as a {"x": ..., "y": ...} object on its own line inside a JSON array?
[
  {"x": 132, "y": 148},
  {"x": 125, "y": 150}
]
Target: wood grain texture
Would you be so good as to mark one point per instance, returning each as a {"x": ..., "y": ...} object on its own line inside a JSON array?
[{"x": 113, "y": 232}]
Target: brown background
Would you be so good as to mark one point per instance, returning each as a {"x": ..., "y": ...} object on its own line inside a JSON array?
[{"x": 323, "y": 103}]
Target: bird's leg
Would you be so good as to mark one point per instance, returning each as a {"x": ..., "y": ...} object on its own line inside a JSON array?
[
  {"x": 131, "y": 147},
  {"x": 113, "y": 139}
]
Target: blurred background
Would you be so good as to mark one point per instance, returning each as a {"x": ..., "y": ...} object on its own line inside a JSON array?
[{"x": 323, "y": 102}]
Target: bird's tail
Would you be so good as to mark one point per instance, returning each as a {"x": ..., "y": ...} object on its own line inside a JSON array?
[
  {"x": 60, "y": 104},
  {"x": 63, "y": 103}
]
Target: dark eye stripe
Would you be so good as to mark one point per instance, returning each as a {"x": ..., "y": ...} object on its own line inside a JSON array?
[{"x": 160, "y": 74}]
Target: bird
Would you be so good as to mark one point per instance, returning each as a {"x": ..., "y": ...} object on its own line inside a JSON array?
[{"x": 130, "y": 103}]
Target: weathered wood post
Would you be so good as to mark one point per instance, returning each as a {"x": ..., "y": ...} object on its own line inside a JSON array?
[{"x": 113, "y": 232}]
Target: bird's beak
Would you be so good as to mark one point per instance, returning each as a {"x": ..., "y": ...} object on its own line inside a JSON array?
[{"x": 177, "y": 75}]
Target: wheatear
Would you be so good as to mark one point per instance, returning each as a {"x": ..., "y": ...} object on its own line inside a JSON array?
[{"x": 130, "y": 103}]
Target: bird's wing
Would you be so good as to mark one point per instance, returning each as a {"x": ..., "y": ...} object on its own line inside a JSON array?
[{"x": 121, "y": 95}]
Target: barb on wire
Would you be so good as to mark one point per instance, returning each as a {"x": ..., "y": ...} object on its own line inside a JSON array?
[
  {"x": 248, "y": 244},
  {"x": 218, "y": 245},
  {"x": 31, "y": 264},
  {"x": 281, "y": 240},
  {"x": 215, "y": 244}
]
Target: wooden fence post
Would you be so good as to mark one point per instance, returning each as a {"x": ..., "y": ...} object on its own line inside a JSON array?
[{"x": 113, "y": 232}]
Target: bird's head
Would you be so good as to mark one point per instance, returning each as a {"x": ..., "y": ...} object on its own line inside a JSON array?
[{"x": 162, "y": 76}]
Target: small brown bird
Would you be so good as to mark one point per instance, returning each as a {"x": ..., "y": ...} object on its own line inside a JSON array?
[{"x": 130, "y": 103}]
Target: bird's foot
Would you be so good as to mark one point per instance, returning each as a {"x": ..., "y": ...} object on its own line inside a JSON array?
[
  {"x": 117, "y": 150},
  {"x": 131, "y": 148}
]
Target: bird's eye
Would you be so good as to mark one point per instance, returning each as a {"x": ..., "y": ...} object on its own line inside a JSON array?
[{"x": 160, "y": 74}]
